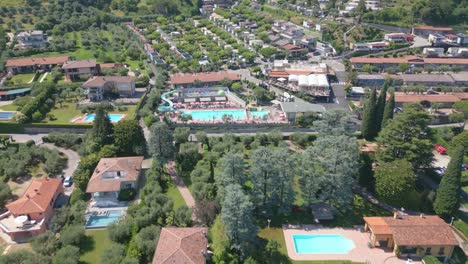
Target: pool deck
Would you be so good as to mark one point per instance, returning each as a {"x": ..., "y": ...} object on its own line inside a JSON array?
[{"x": 360, "y": 253}]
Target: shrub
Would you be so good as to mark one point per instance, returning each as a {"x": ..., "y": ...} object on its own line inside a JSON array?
[
  {"x": 127, "y": 194},
  {"x": 36, "y": 116},
  {"x": 431, "y": 260}
]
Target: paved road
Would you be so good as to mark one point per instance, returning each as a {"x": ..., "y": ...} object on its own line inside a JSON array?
[{"x": 73, "y": 157}]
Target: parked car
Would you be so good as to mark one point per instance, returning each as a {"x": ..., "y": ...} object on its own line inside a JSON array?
[
  {"x": 440, "y": 170},
  {"x": 68, "y": 181},
  {"x": 440, "y": 149}
]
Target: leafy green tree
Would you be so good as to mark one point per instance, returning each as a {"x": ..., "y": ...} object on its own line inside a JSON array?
[
  {"x": 369, "y": 118},
  {"x": 403, "y": 67},
  {"x": 72, "y": 235},
  {"x": 448, "y": 194},
  {"x": 388, "y": 111},
  {"x": 335, "y": 122},
  {"x": 129, "y": 138},
  {"x": 231, "y": 167},
  {"x": 146, "y": 241},
  {"x": 181, "y": 135},
  {"x": 121, "y": 232},
  {"x": 394, "y": 181},
  {"x": 5, "y": 193},
  {"x": 327, "y": 171},
  {"x": 113, "y": 254},
  {"x": 67, "y": 255},
  {"x": 24, "y": 256},
  {"x": 285, "y": 165},
  {"x": 264, "y": 178},
  {"x": 161, "y": 144},
  {"x": 366, "y": 175},
  {"x": 237, "y": 215},
  {"x": 183, "y": 216},
  {"x": 407, "y": 137},
  {"x": 45, "y": 244}
]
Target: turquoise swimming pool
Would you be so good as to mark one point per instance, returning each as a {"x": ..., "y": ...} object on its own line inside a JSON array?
[
  {"x": 6, "y": 115},
  {"x": 236, "y": 114},
  {"x": 114, "y": 118},
  {"x": 322, "y": 244},
  {"x": 99, "y": 221}
]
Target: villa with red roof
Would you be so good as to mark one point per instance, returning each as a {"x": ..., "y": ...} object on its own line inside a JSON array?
[
  {"x": 205, "y": 78},
  {"x": 411, "y": 236},
  {"x": 182, "y": 246},
  {"x": 29, "y": 215},
  {"x": 27, "y": 65},
  {"x": 75, "y": 70}
]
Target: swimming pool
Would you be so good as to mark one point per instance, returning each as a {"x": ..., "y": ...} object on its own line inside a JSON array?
[
  {"x": 114, "y": 118},
  {"x": 215, "y": 114},
  {"x": 218, "y": 114},
  {"x": 322, "y": 244},
  {"x": 5, "y": 115},
  {"x": 97, "y": 221}
]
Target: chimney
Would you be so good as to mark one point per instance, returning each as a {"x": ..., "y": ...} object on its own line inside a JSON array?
[{"x": 421, "y": 215}]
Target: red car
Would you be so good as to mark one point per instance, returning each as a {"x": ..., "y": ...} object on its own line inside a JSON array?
[{"x": 440, "y": 149}]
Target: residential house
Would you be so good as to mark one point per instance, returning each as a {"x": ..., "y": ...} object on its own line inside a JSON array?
[
  {"x": 447, "y": 100},
  {"x": 28, "y": 65},
  {"x": 462, "y": 39},
  {"x": 308, "y": 24},
  {"x": 294, "y": 51},
  {"x": 14, "y": 93},
  {"x": 97, "y": 86},
  {"x": 111, "y": 176},
  {"x": 204, "y": 79},
  {"x": 384, "y": 63},
  {"x": 436, "y": 39},
  {"x": 77, "y": 70},
  {"x": 461, "y": 78},
  {"x": 30, "y": 214},
  {"x": 31, "y": 39},
  {"x": 398, "y": 37},
  {"x": 429, "y": 80},
  {"x": 182, "y": 245},
  {"x": 324, "y": 49},
  {"x": 377, "y": 46},
  {"x": 412, "y": 236},
  {"x": 451, "y": 38},
  {"x": 427, "y": 30},
  {"x": 370, "y": 80},
  {"x": 458, "y": 52},
  {"x": 433, "y": 52}
]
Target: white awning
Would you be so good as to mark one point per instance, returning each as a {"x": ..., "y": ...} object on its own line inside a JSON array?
[
  {"x": 205, "y": 99},
  {"x": 189, "y": 100},
  {"x": 222, "y": 98}
]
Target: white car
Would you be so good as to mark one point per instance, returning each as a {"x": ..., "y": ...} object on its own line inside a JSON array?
[{"x": 67, "y": 182}]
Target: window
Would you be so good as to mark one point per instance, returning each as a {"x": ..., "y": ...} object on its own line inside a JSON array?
[
  {"x": 428, "y": 251},
  {"x": 441, "y": 251}
]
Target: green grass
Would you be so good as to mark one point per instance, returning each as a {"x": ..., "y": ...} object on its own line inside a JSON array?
[
  {"x": 22, "y": 79},
  {"x": 10, "y": 107},
  {"x": 64, "y": 114},
  {"x": 95, "y": 242},
  {"x": 276, "y": 234},
  {"x": 174, "y": 194},
  {"x": 11, "y": 3}
]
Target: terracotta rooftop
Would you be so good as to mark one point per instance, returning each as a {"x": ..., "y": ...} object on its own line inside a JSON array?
[
  {"x": 37, "y": 197},
  {"x": 36, "y": 61},
  {"x": 111, "y": 172},
  {"x": 99, "y": 81},
  {"x": 79, "y": 64},
  {"x": 111, "y": 65},
  {"x": 401, "y": 97},
  {"x": 426, "y": 230},
  {"x": 410, "y": 60},
  {"x": 179, "y": 245},
  {"x": 434, "y": 28},
  {"x": 204, "y": 77}
]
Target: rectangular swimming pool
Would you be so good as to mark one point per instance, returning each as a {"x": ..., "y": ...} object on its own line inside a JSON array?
[
  {"x": 114, "y": 118},
  {"x": 5, "y": 115},
  {"x": 99, "y": 221},
  {"x": 322, "y": 244},
  {"x": 207, "y": 115}
]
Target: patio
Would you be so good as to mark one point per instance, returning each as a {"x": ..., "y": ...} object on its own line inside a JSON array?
[{"x": 360, "y": 253}]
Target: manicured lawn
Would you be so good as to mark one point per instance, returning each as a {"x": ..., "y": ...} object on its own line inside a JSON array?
[
  {"x": 22, "y": 79},
  {"x": 10, "y": 107},
  {"x": 276, "y": 234},
  {"x": 64, "y": 114},
  {"x": 174, "y": 194},
  {"x": 94, "y": 244}
]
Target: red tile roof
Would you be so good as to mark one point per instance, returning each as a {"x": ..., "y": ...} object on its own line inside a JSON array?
[
  {"x": 460, "y": 61},
  {"x": 179, "y": 245},
  {"x": 401, "y": 97},
  {"x": 100, "y": 81},
  {"x": 105, "y": 179},
  {"x": 429, "y": 230},
  {"x": 37, "y": 197},
  {"x": 111, "y": 65},
  {"x": 204, "y": 77},
  {"x": 410, "y": 60},
  {"x": 36, "y": 61},
  {"x": 434, "y": 28}
]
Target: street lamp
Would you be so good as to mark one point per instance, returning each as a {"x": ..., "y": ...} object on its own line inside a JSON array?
[{"x": 269, "y": 221}]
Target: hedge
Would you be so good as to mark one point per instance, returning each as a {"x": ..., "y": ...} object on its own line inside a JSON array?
[{"x": 11, "y": 128}]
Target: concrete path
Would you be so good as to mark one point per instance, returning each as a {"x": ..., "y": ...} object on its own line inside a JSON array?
[{"x": 184, "y": 191}]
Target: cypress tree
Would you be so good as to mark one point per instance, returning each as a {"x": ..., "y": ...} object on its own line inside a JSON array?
[
  {"x": 448, "y": 194},
  {"x": 102, "y": 128},
  {"x": 368, "y": 126},
  {"x": 388, "y": 111},
  {"x": 381, "y": 106}
]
